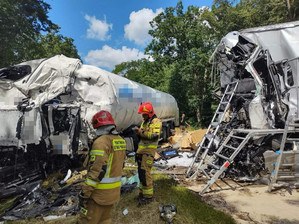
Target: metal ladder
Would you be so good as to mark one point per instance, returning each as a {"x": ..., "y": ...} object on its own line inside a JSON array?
[
  {"x": 278, "y": 164},
  {"x": 231, "y": 151},
  {"x": 213, "y": 128}
]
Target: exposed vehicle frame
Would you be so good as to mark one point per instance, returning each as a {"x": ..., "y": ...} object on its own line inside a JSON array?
[{"x": 259, "y": 69}]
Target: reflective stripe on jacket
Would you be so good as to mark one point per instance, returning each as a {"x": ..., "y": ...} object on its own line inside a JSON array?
[
  {"x": 105, "y": 169},
  {"x": 149, "y": 137}
]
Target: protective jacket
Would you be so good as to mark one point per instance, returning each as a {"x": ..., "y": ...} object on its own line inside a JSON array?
[
  {"x": 105, "y": 164},
  {"x": 149, "y": 137}
]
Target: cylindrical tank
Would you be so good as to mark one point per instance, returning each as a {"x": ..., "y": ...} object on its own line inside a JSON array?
[{"x": 102, "y": 90}]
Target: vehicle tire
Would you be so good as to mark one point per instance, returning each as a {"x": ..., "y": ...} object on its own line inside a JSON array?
[
  {"x": 168, "y": 133},
  {"x": 164, "y": 133}
]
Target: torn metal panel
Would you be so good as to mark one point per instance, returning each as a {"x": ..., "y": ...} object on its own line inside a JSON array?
[
  {"x": 282, "y": 42},
  {"x": 49, "y": 79},
  {"x": 9, "y": 120},
  {"x": 263, "y": 108},
  {"x": 266, "y": 55}
]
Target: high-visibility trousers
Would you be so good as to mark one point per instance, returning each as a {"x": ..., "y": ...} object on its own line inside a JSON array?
[
  {"x": 95, "y": 213},
  {"x": 145, "y": 164}
]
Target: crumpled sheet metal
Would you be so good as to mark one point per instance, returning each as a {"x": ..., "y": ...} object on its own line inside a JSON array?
[
  {"x": 89, "y": 88},
  {"x": 49, "y": 79}
]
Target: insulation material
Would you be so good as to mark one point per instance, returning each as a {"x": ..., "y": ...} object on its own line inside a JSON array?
[
  {"x": 188, "y": 140},
  {"x": 257, "y": 115}
]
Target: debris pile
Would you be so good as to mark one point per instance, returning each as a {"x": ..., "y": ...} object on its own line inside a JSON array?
[
  {"x": 46, "y": 198},
  {"x": 52, "y": 198}
]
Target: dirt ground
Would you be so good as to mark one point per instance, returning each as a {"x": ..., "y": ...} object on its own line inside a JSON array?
[
  {"x": 246, "y": 202},
  {"x": 253, "y": 204}
]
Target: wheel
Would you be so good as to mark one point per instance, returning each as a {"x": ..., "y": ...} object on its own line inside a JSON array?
[{"x": 164, "y": 133}]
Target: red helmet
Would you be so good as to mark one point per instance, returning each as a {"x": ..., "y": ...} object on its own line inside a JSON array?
[
  {"x": 146, "y": 108},
  {"x": 102, "y": 118}
]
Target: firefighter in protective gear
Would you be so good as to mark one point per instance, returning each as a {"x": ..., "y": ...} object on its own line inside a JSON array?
[
  {"x": 149, "y": 133},
  {"x": 101, "y": 188}
]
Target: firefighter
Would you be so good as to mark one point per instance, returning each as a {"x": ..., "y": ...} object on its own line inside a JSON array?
[
  {"x": 101, "y": 188},
  {"x": 149, "y": 133}
]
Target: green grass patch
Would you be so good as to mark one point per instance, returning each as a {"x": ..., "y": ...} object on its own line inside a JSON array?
[
  {"x": 39, "y": 220},
  {"x": 191, "y": 210},
  {"x": 6, "y": 204},
  {"x": 190, "y": 207}
]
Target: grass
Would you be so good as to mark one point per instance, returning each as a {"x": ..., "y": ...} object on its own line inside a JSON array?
[
  {"x": 191, "y": 210},
  {"x": 6, "y": 204},
  {"x": 39, "y": 220}
]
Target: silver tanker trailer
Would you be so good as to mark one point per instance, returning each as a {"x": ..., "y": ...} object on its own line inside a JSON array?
[{"x": 46, "y": 107}]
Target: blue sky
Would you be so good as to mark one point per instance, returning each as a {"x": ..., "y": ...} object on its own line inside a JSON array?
[{"x": 108, "y": 32}]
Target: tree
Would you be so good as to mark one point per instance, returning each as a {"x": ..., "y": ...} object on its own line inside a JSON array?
[
  {"x": 21, "y": 21},
  {"x": 227, "y": 16},
  {"x": 183, "y": 41},
  {"x": 53, "y": 43},
  {"x": 21, "y": 24},
  {"x": 293, "y": 9}
]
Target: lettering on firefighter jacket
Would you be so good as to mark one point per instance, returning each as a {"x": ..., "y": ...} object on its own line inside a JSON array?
[{"x": 104, "y": 172}]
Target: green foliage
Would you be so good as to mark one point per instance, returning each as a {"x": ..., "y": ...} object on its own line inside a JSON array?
[
  {"x": 21, "y": 24},
  {"x": 53, "y": 43},
  {"x": 180, "y": 48},
  {"x": 183, "y": 41},
  {"x": 293, "y": 9}
]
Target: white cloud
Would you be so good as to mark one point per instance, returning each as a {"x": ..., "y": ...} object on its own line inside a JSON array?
[
  {"x": 98, "y": 29},
  {"x": 108, "y": 57},
  {"x": 137, "y": 29}
]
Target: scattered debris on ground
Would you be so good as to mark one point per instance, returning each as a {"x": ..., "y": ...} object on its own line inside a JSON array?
[
  {"x": 247, "y": 200},
  {"x": 51, "y": 197}
]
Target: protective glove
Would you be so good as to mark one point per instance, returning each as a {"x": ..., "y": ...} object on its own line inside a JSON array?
[
  {"x": 155, "y": 136},
  {"x": 82, "y": 200},
  {"x": 137, "y": 130}
]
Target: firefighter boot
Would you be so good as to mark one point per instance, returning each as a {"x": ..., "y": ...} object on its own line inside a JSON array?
[
  {"x": 144, "y": 201},
  {"x": 138, "y": 197}
]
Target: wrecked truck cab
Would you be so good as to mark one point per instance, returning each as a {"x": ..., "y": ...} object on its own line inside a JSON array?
[
  {"x": 267, "y": 56},
  {"x": 258, "y": 111},
  {"x": 46, "y": 107}
]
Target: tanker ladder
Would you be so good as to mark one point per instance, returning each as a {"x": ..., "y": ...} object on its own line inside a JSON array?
[
  {"x": 213, "y": 128},
  {"x": 226, "y": 153},
  {"x": 284, "y": 171}
]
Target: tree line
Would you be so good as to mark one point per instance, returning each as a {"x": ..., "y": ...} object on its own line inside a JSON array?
[
  {"x": 27, "y": 33},
  {"x": 183, "y": 41}
]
